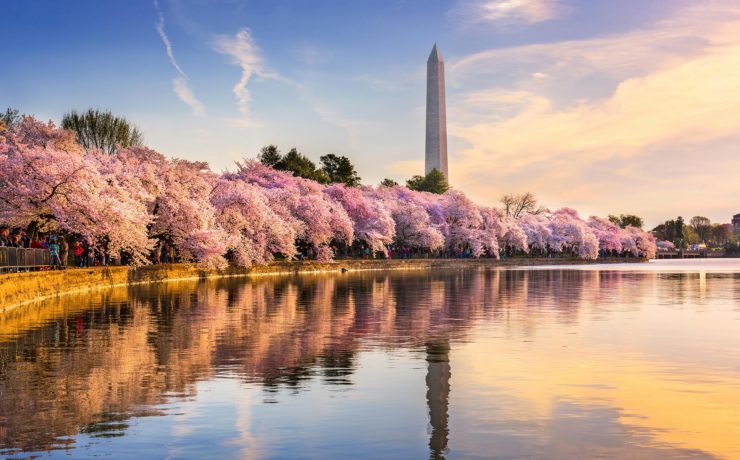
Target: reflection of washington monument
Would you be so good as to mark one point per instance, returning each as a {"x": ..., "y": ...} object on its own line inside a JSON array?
[{"x": 438, "y": 393}]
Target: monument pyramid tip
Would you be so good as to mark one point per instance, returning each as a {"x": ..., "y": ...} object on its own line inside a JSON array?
[{"x": 435, "y": 54}]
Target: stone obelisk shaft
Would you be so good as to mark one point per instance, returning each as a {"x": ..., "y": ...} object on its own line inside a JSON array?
[{"x": 436, "y": 140}]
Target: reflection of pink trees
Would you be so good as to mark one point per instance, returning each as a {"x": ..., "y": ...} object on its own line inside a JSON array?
[
  {"x": 152, "y": 342},
  {"x": 131, "y": 200}
]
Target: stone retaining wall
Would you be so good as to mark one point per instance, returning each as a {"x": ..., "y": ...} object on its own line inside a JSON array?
[{"x": 21, "y": 288}]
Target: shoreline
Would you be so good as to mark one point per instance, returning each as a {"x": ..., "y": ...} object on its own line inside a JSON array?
[{"x": 18, "y": 289}]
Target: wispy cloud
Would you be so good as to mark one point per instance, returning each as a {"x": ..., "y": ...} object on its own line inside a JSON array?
[
  {"x": 243, "y": 51},
  {"x": 179, "y": 84},
  {"x": 183, "y": 91},
  {"x": 512, "y": 11}
]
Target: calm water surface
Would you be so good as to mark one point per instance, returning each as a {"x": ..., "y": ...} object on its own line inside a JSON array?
[{"x": 636, "y": 361}]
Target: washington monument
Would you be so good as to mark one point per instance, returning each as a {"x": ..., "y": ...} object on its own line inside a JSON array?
[{"x": 436, "y": 141}]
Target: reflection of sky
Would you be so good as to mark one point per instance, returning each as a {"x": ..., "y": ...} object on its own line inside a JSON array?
[{"x": 544, "y": 363}]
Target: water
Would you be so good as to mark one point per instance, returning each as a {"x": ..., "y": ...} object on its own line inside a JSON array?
[{"x": 633, "y": 361}]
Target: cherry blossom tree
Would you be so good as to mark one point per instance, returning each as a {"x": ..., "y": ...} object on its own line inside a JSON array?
[
  {"x": 463, "y": 223},
  {"x": 49, "y": 189},
  {"x": 317, "y": 218},
  {"x": 371, "y": 220},
  {"x": 31, "y": 132},
  {"x": 414, "y": 227},
  {"x": 665, "y": 245},
  {"x": 571, "y": 234},
  {"x": 490, "y": 226},
  {"x": 254, "y": 231},
  {"x": 510, "y": 234},
  {"x": 129, "y": 200},
  {"x": 644, "y": 241},
  {"x": 184, "y": 213},
  {"x": 608, "y": 234},
  {"x": 629, "y": 245},
  {"x": 537, "y": 229}
]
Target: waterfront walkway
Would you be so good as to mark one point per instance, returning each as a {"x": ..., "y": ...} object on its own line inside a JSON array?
[{"x": 25, "y": 287}]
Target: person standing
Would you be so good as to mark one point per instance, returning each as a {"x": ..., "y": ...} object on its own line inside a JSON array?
[
  {"x": 4, "y": 240},
  {"x": 25, "y": 239},
  {"x": 90, "y": 255},
  {"x": 165, "y": 253},
  {"x": 77, "y": 251},
  {"x": 64, "y": 252},
  {"x": 103, "y": 256},
  {"x": 56, "y": 263}
]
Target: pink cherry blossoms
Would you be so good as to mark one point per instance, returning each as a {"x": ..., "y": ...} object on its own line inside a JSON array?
[{"x": 130, "y": 202}]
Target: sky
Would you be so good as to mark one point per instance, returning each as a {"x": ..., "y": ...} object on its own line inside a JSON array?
[{"x": 607, "y": 107}]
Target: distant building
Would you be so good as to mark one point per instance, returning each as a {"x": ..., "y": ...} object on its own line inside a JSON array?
[{"x": 736, "y": 222}]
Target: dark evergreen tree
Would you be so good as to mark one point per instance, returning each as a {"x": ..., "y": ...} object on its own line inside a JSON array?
[
  {"x": 301, "y": 166},
  {"x": 269, "y": 155},
  {"x": 626, "y": 220},
  {"x": 434, "y": 182},
  {"x": 340, "y": 170}
]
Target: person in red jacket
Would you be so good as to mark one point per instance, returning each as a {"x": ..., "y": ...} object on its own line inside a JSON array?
[{"x": 77, "y": 251}]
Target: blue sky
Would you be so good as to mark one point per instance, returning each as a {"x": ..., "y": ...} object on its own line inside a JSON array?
[{"x": 534, "y": 88}]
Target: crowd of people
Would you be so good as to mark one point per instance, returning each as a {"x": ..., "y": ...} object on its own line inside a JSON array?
[
  {"x": 70, "y": 252},
  {"x": 62, "y": 253}
]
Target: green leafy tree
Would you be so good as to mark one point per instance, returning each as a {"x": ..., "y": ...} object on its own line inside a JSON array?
[
  {"x": 690, "y": 236},
  {"x": 301, "y": 166},
  {"x": 625, "y": 220},
  {"x": 388, "y": 183},
  {"x": 702, "y": 226},
  {"x": 661, "y": 231},
  {"x": 269, "y": 155},
  {"x": 677, "y": 232},
  {"x": 679, "y": 238},
  {"x": 721, "y": 234},
  {"x": 415, "y": 183},
  {"x": 434, "y": 182},
  {"x": 102, "y": 130},
  {"x": 339, "y": 170},
  {"x": 666, "y": 231},
  {"x": 10, "y": 117}
]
